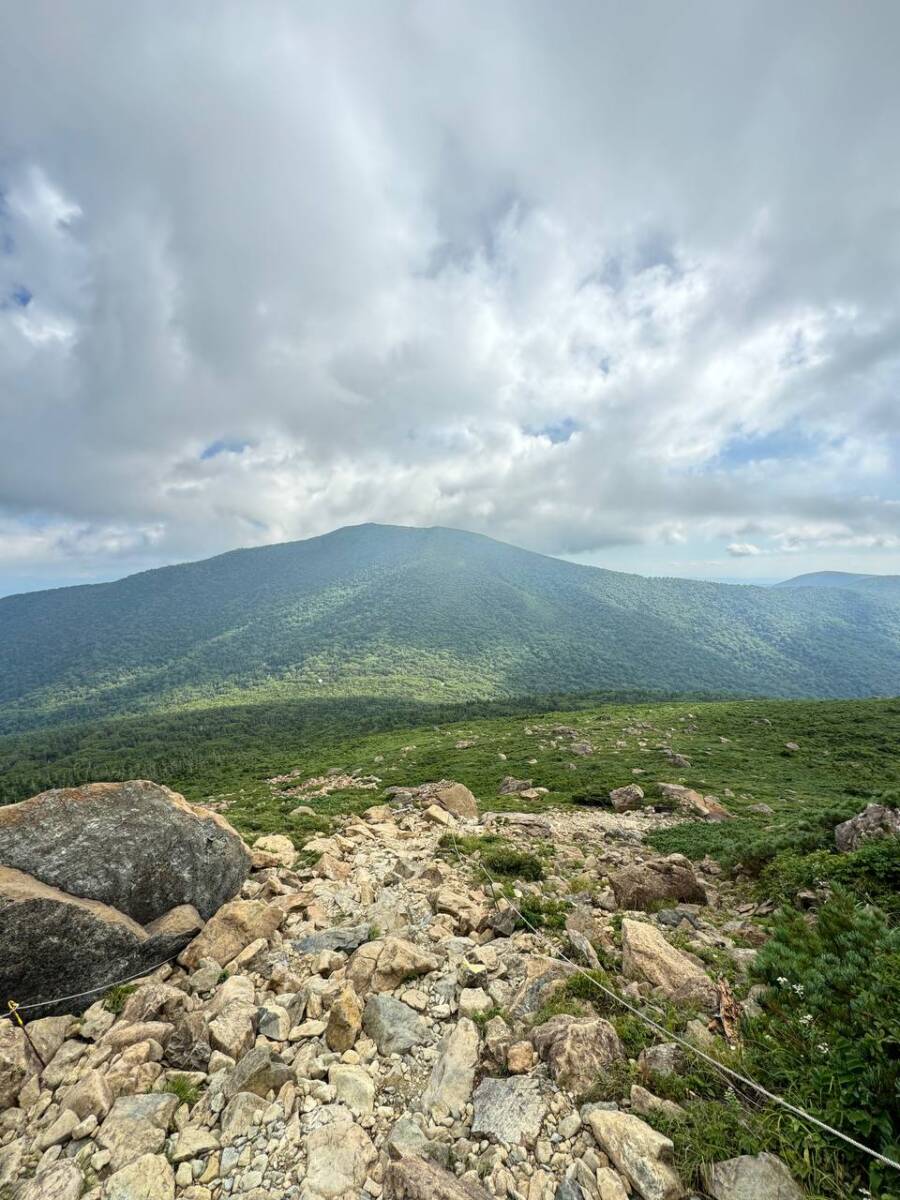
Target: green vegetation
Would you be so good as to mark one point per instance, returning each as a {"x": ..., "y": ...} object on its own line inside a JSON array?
[
  {"x": 181, "y": 1086},
  {"x": 422, "y": 615},
  {"x": 496, "y": 855},
  {"x": 114, "y": 999}
]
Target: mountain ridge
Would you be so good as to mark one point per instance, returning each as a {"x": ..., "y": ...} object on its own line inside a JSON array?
[{"x": 435, "y": 612}]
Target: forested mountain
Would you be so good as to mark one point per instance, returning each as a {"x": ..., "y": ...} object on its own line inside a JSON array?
[
  {"x": 423, "y": 613},
  {"x": 885, "y": 587}
]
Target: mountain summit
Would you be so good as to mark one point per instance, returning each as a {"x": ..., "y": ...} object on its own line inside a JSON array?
[{"x": 423, "y": 613}]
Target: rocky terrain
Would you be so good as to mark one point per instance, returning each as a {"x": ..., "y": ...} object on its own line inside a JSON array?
[{"x": 372, "y": 1017}]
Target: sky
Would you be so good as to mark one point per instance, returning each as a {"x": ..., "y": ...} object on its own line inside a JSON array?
[{"x": 615, "y": 282}]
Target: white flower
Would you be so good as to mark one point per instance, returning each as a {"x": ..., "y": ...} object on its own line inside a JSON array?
[
  {"x": 822, "y": 1047},
  {"x": 781, "y": 979},
  {"x": 798, "y": 988},
  {"x": 806, "y": 1019}
]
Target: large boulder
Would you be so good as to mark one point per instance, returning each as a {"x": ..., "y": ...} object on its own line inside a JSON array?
[
  {"x": 695, "y": 803},
  {"x": 643, "y": 885},
  {"x": 875, "y": 821},
  {"x": 646, "y": 955},
  {"x": 55, "y": 944},
  {"x": 577, "y": 1049},
  {"x": 759, "y": 1177},
  {"x": 136, "y": 846},
  {"x": 234, "y": 927},
  {"x": 415, "y": 1178},
  {"x": 18, "y": 1062},
  {"x": 509, "y": 1110},
  {"x": 642, "y": 1155}
]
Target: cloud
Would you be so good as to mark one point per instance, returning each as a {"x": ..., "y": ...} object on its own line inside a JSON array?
[
  {"x": 743, "y": 550},
  {"x": 583, "y": 284}
]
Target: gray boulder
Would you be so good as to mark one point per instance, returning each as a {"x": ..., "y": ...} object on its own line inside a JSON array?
[
  {"x": 760, "y": 1177},
  {"x": 136, "y": 846},
  {"x": 875, "y": 821},
  {"x": 393, "y": 1026},
  {"x": 55, "y": 944},
  {"x": 643, "y": 885}
]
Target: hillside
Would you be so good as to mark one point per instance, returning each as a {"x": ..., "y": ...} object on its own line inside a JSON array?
[
  {"x": 520, "y": 943},
  {"x": 884, "y": 587},
  {"x": 386, "y": 611}
]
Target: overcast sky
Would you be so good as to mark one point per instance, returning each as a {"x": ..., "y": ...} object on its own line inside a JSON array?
[{"x": 619, "y": 282}]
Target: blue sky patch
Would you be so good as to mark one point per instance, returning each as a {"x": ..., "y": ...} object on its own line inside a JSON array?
[
  {"x": 556, "y": 431},
  {"x": 223, "y": 446}
]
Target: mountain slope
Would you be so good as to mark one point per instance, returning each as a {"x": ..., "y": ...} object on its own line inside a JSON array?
[
  {"x": 394, "y": 611},
  {"x": 884, "y": 587}
]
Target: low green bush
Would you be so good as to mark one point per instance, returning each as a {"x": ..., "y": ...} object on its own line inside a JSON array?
[{"x": 828, "y": 1038}]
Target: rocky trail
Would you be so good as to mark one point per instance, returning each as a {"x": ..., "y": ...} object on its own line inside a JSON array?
[{"x": 379, "y": 1023}]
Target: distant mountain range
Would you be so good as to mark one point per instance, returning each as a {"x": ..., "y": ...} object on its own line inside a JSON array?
[
  {"x": 885, "y": 587},
  {"x": 389, "y": 611}
]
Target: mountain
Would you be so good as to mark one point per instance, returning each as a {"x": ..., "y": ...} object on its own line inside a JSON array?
[
  {"x": 390, "y": 611},
  {"x": 885, "y": 587}
]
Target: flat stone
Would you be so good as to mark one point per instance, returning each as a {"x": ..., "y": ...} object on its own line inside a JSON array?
[
  {"x": 62, "y": 1181},
  {"x": 642, "y": 1155},
  {"x": 393, "y": 1026},
  {"x": 509, "y": 1110},
  {"x": 339, "y": 1156},
  {"x": 149, "y": 1177},
  {"x": 453, "y": 1074}
]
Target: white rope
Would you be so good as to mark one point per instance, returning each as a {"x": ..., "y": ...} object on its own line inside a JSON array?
[
  {"x": 685, "y": 1045},
  {"x": 103, "y": 987}
]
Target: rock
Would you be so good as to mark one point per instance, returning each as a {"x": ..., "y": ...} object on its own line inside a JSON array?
[
  {"x": 645, "y": 1104},
  {"x": 241, "y": 1113},
  {"x": 149, "y": 1177},
  {"x": 473, "y": 1002},
  {"x": 136, "y": 846},
  {"x": 610, "y": 1185},
  {"x": 233, "y": 927},
  {"x": 453, "y": 1075},
  {"x": 135, "y": 1126},
  {"x": 529, "y": 822},
  {"x": 646, "y": 955},
  {"x": 520, "y": 1058},
  {"x": 384, "y": 964},
  {"x": 626, "y": 798},
  {"x": 257, "y": 1072},
  {"x": 18, "y": 1062},
  {"x": 82, "y": 942},
  {"x": 354, "y": 1087},
  {"x": 542, "y": 976},
  {"x": 194, "y": 1143},
  {"x": 90, "y": 1096},
  {"x": 577, "y": 1050},
  {"x": 348, "y": 938},
  {"x": 47, "y": 1034},
  {"x": 875, "y": 821},
  {"x": 509, "y": 786},
  {"x": 438, "y": 815},
  {"x": 279, "y": 847},
  {"x": 643, "y": 885},
  {"x": 62, "y": 1181},
  {"x": 414, "y": 1178},
  {"x": 665, "y": 1059},
  {"x": 176, "y": 927},
  {"x": 344, "y": 1021},
  {"x": 689, "y": 801},
  {"x": 58, "y": 1132},
  {"x": 189, "y": 1046},
  {"x": 763, "y": 1177},
  {"x": 455, "y": 798},
  {"x": 233, "y": 1030},
  {"x": 641, "y": 1154},
  {"x": 509, "y": 1110},
  {"x": 393, "y": 1026},
  {"x": 339, "y": 1158}
]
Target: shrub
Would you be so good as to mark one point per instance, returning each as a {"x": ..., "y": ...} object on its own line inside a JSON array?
[
  {"x": 828, "y": 1038},
  {"x": 187, "y": 1092},
  {"x": 512, "y": 862}
]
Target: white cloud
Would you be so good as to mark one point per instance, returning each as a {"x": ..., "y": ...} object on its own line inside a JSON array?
[{"x": 387, "y": 251}]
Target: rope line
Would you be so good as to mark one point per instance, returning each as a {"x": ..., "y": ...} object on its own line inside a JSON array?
[
  {"x": 103, "y": 987},
  {"x": 689, "y": 1046}
]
